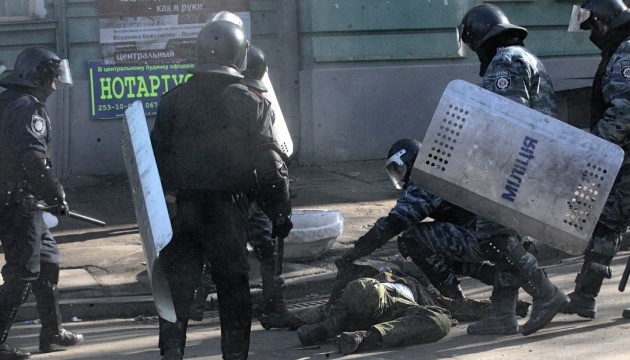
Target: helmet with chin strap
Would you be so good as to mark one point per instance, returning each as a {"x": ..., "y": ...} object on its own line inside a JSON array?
[
  {"x": 37, "y": 67},
  {"x": 484, "y": 22},
  {"x": 601, "y": 17},
  {"x": 400, "y": 160}
]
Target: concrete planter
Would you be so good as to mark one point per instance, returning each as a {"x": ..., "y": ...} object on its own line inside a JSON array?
[{"x": 314, "y": 233}]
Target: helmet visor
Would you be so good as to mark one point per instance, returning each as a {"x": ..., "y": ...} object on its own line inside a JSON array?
[
  {"x": 396, "y": 169},
  {"x": 579, "y": 16},
  {"x": 64, "y": 76},
  {"x": 461, "y": 46}
]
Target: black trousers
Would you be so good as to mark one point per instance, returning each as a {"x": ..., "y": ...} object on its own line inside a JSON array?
[
  {"x": 26, "y": 240},
  {"x": 214, "y": 225}
]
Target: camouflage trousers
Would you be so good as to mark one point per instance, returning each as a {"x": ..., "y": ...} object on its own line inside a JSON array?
[
  {"x": 366, "y": 303},
  {"x": 445, "y": 244},
  {"x": 616, "y": 212}
]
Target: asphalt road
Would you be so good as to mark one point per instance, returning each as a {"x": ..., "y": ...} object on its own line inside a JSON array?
[{"x": 567, "y": 337}]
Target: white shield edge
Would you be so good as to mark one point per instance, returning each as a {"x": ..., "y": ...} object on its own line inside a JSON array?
[
  {"x": 483, "y": 156},
  {"x": 280, "y": 129},
  {"x": 149, "y": 203}
]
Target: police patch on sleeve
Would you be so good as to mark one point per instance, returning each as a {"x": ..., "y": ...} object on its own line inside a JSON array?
[
  {"x": 502, "y": 81},
  {"x": 625, "y": 69},
  {"x": 38, "y": 126}
]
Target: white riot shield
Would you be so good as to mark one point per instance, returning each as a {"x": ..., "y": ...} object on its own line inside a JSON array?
[
  {"x": 280, "y": 129},
  {"x": 149, "y": 203},
  {"x": 517, "y": 166}
]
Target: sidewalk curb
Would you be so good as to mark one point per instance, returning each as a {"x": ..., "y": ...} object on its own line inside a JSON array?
[{"x": 121, "y": 307}]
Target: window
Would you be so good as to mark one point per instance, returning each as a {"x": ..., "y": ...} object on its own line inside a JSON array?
[{"x": 22, "y": 10}]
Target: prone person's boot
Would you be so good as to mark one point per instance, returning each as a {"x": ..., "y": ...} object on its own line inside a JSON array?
[
  {"x": 314, "y": 334},
  {"x": 172, "y": 338},
  {"x": 47, "y": 299},
  {"x": 596, "y": 267},
  {"x": 293, "y": 319},
  {"x": 357, "y": 341},
  {"x": 502, "y": 319},
  {"x": 12, "y": 295}
]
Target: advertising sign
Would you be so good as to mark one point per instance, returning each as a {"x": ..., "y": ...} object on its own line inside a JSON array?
[
  {"x": 157, "y": 31},
  {"x": 113, "y": 88}
]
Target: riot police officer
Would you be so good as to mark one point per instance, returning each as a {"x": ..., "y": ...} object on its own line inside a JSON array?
[
  {"x": 609, "y": 24},
  {"x": 436, "y": 247},
  {"x": 26, "y": 179},
  {"x": 259, "y": 224},
  {"x": 510, "y": 70},
  {"x": 214, "y": 147}
]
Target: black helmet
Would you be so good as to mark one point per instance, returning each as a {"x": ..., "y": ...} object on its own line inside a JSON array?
[
  {"x": 484, "y": 22},
  {"x": 256, "y": 64},
  {"x": 229, "y": 16},
  {"x": 599, "y": 16},
  {"x": 400, "y": 160},
  {"x": 36, "y": 67},
  {"x": 256, "y": 68},
  {"x": 221, "y": 48}
]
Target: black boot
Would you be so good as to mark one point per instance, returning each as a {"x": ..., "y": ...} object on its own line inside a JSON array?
[
  {"x": 350, "y": 342},
  {"x": 502, "y": 320},
  {"x": 510, "y": 256},
  {"x": 548, "y": 300},
  {"x": 8, "y": 352},
  {"x": 522, "y": 308},
  {"x": 482, "y": 271},
  {"x": 47, "y": 299},
  {"x": 314, "y": 334},
  {"x": 451, "y": 289},
  {"x": 280, "y": 321},
  {"x": 172, "y": 338},
  {"x": 12, "y": 295},
  {"x": 595, "y": 269},
  {"x": 235, "y": 313},
  {"x": 172, "y": 350}
]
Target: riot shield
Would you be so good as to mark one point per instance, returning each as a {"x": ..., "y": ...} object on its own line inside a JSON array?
[
  {"x": 280, "y": 130},
  {"x": 517, "y": 166},
  {"x": 149, "y": 203}
]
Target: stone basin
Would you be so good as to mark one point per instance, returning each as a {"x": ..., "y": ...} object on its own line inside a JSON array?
[{"x": 314, "y": 233}]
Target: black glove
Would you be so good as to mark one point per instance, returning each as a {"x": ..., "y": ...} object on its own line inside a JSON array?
[
  {"x": 281, "y": 227},
  {"x": 61, "y": 209}
]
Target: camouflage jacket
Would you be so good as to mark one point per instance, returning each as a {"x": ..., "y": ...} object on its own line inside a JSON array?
[
  {"x": 614, "y": 125},
  {"x": 416, "y": 205},
  {"x": 517, "y": 74}
]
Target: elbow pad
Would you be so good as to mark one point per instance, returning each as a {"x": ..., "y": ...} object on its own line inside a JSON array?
[
  {"x": 273, "y": 185},
  {"x": 41, "y": 178}
]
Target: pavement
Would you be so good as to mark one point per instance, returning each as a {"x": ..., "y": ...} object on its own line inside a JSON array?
[{"x": 104, "y": 273}]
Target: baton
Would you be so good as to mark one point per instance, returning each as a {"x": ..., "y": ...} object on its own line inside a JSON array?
[
  {"x": 278, "y": 277},
  {"x": 74, "y": 215},
  {"x": 624, "y": 277}
]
